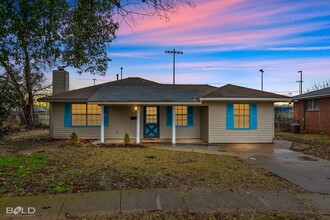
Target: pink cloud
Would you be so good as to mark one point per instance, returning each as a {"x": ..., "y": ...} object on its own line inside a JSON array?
[{"x": 230, "y": 22}]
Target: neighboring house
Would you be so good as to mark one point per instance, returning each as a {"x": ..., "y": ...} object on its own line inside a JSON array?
[
  {"x": 150, "y": 110},
  {"x": 312, "y": 111}
]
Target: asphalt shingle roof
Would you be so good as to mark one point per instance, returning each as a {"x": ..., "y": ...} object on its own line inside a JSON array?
[
  {"x": 233, "y": 91},
  {"x": 314, "y": 94},
  {"x": 134, "y": 90},
  {"x": 141, "y": 90}
]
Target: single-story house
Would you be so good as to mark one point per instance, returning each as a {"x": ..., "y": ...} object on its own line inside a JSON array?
[
  {"x": 312, "y": 111},
  {"x": 150, "y": 110}
]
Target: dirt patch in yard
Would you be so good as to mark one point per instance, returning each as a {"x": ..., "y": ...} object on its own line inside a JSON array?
[
  {"x": 27, "y": 142},
  {"x": 312, "y": 144}
]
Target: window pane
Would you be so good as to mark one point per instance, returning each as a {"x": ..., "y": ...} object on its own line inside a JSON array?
[
  {"x": 78, "y": 108},
  {"x": 79, "y": 120},
  {"x": 309, "y": 104},
  {"x": 94, "y": 120},
  {"x": 236, "y": 124},
  {"x": 93, "y": 109},
  {"x": 316, "y": 104}
]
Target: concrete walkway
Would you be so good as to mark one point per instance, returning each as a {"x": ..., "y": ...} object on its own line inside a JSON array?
[
  {"x": 172, "y": 200},
  {"x": 309, "y": 172}
]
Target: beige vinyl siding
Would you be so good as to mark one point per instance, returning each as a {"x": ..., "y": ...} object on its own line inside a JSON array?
[
  {"x": 51, "y": 121},
  {"x": 181, "y": 132},
  {"x": 219, "y": 134},
  {"x": 204, "y": 129},
  {"x": 119, "y": 123}
]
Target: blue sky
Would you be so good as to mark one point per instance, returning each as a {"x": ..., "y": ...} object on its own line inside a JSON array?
[{"x": 226, "y": 41}]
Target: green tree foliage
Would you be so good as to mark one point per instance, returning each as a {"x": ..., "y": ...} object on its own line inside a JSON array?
[{"x": 36, "y": 35}]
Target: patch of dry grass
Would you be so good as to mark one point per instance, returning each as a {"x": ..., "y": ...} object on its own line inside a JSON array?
[
  {"x": 312, "y": 144},
  {"x": 25, "y": 135},
  {"x": 77, "y": 169}
]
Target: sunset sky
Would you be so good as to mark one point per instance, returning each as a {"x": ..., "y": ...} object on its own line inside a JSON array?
[{"x": 227, "y": 41}]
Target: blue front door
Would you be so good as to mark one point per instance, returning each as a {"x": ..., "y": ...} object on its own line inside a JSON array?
[{"x": 151, "y": 122}]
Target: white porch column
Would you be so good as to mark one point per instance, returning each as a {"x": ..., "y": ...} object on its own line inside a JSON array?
[
  {"x": 102, "y": 124},
  {"x": 138, "y": 125},
  {"x": 173, "y": 125}
]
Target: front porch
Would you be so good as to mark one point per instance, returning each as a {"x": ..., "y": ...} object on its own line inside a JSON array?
[
  {"x": 150, "y": 124},
  {"x": 194, "y": 141}
]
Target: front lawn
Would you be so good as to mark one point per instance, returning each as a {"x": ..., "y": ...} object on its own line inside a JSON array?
[
  {"x": 313, "y": 144},
  {"x": 81, "y": 169}
]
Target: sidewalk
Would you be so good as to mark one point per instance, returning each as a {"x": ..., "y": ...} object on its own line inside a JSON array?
[{"x": 197, "y": 200}]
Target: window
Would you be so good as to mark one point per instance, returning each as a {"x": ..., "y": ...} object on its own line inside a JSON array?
[
  {"x": 313, "y": 104},
  {"x": 241, "y": 115},
  {"x": 181, "y": 116},
  {"x": 151, "y": 115},
  {"x": 86, "y": 115},
  {"x": 184, "y": 116}
]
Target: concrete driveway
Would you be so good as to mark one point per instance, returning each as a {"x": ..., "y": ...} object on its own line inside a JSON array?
[{"x": 309, "y": 172}]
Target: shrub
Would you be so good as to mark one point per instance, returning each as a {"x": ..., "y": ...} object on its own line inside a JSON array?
[
  {"x": 127, "y": 139},
  {"x": 73, "y": 138}
]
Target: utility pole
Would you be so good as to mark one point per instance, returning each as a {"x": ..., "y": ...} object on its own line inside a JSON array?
[
  {"x": 94, "y": 81},
  {"x": 262, "y": 79},
  {"x": 300, "y": 82},
  {"x": 174, "y": 52},
  {"x": 121, "y": 72}
]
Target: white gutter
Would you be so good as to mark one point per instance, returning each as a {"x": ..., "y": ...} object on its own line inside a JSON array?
[
  {"x": 248, "y": 99},
  {"x": 312, "y": 97},
  {"x": 146, "y": 103}
]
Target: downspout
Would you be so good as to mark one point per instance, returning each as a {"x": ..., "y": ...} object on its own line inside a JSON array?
[{"x": 304, "y": 115}]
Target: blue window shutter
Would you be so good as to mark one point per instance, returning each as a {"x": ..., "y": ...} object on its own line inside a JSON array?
[
  {"x": 253, "y": 116},
  {"x": 169, "y": 116},
  {"x": 67, "y": 115},
  {"x": 190, "y": 116},
  {"x": 230, "y": 116},
  {"x": 106, "y": 116}
]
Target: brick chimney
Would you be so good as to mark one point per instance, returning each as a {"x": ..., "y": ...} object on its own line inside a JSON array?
[{"x": 60, "y": 81}]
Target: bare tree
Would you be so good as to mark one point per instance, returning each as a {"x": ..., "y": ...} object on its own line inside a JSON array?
[
  {"x": 319, "y": 85},
  {"x": 36, "y": 35}
]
